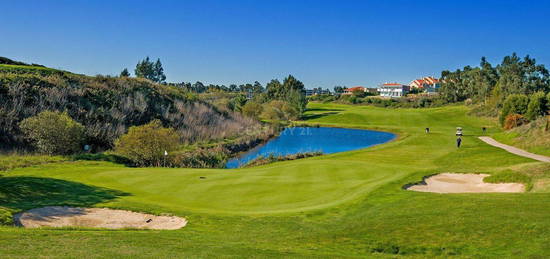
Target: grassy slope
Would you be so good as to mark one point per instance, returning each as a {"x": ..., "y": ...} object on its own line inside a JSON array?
[
  {"x": 347, "y": 204},
  {"x": 533, "y": 137}
]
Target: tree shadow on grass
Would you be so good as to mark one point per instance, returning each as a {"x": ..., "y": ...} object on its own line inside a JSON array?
[
  {"x": 23, "y": 193},
  {"x": 316, "y": 116}
]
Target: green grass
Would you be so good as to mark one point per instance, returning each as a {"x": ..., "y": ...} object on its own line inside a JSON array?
[{"x": 347, "y": 204}]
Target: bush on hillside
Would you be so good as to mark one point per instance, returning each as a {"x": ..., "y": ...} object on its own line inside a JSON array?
[
  {"x": 514, "y": 120},
  {"x": 514, "y": 104},
  {"x": 145, "y": 145},
  {"x": 108, "y": 106},
  {"x": 252, "y": 109},
  {"x": 279, "y": 110},
  {"x": 537, "y": 106},
  {"x": 53, "y": 133}
]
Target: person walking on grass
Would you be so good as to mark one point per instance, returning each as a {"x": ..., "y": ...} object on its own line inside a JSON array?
[{"x": 458, "y": 141}]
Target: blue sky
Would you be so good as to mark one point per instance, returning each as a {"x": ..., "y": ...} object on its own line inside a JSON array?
[{"x": 322, "y": 43}]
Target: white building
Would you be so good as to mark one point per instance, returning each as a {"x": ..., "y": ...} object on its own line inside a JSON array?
[{"x": 393, "y": 90}]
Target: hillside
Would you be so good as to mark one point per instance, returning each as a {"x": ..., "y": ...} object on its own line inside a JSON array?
[
  {"x": 106, "y": 105},
  {"x": 534, "y": 137}
]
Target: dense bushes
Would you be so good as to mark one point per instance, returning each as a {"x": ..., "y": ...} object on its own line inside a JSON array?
[
  {"x": 108, "y": 106},
  {"x": 252, "y": 109},
  {"x": 5, "y": 217},
  {"x": 215, "y": 157},
  {"x": 538, "y": 106},
  {"x": 514, "y": 120},
  {"x": 518, "y": 109},
  {"x": 514, "y": 104},
  {"x": 404, "y": 102},
  {"x": 53, "y": 133},
  {"x": 146, "y": 145},
  {"x": 279, "y": 110}
]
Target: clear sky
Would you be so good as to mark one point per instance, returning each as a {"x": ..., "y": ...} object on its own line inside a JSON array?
[{"x": 322, "y": 43}]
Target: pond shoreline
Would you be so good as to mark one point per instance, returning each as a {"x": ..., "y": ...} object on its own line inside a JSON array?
[{"x": 304, "y": 139}]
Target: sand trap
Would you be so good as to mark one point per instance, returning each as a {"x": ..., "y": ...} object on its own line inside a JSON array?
[
  {"x": 463, "y": 183},
  {"x": 95, "y": 218}
]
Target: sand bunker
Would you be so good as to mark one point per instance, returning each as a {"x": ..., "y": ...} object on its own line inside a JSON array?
[
  {"x": 463, "y": 183},
  {"x": 96, "y": 218}
]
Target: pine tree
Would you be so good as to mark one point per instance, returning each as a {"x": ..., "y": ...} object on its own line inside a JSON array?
[{"x": 124, "y": 73}]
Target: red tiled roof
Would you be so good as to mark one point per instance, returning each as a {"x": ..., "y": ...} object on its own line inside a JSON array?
[{"x": 355, "y": 88}]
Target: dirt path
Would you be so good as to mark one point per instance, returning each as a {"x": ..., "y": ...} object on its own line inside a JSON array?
[{"x": 515, "y": 150}]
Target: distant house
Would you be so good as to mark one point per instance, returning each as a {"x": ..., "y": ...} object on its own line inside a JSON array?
[
  {"x": 316, "y": 91},
  {"x": 349, "y": 91},
  {"x": 393, "y": 90},
  {"x": 428, "y": 84}
]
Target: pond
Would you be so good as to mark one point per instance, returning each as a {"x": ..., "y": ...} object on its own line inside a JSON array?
[{"x": 306, "y": 139}]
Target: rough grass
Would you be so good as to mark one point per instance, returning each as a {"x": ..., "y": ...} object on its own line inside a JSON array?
[
  {"x": 509, "y": 176},
  {"x": 347, "y": 204},
  {"x": 12, "y": 161},
  {"x": 533, "y": 137}
]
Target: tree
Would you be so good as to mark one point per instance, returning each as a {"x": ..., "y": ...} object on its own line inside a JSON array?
[
  {"x": 273, "y": 88},
  {"x": 159, "y": 72},
  {"x": 53, "y": 132},
  {"x": 514, "y": 104},
  {"x": 198, "y": 87},
  {"x": 150, "y": 70},
  {"x": 124, "y": 73},
  {"x": 537, "y": 106},
  {"x": 339, "y": 89},
  {"x": 237, "y": 103},
  {"x": 145, "y": 145},
  {"x": 257, "y": 87}
]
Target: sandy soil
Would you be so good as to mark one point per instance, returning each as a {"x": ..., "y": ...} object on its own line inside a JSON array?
[
  {"x": 463, "y": 183},
  {"x": 96, "y": 218}
]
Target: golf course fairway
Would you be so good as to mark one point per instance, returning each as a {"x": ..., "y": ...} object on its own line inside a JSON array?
[{"x": 349, "y": 204}]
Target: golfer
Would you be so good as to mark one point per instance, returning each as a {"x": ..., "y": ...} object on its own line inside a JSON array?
[{"x": 458, "y": 141}]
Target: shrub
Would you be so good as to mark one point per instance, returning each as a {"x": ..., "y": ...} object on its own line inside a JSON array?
[
  {"x": 145, "y": 145},
  {"x": 5, "y": 217},
  {"x": 359, "y": 93},
  {"x": 537, "y": 106},
  {"x": 252, "y": 109},
  {"x": 279, "y": 110},
  {"x": 514, "y": 120},
  {"x": 53, "y": 132},
  {"x": 201, "y": 158},
  {"x": 514, "y": 104}
]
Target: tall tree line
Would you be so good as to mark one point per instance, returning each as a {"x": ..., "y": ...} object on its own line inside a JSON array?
[{"x": 486, "y": 82}]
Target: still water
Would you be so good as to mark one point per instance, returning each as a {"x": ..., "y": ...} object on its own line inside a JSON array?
[{"x": 305, "y": 139}]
